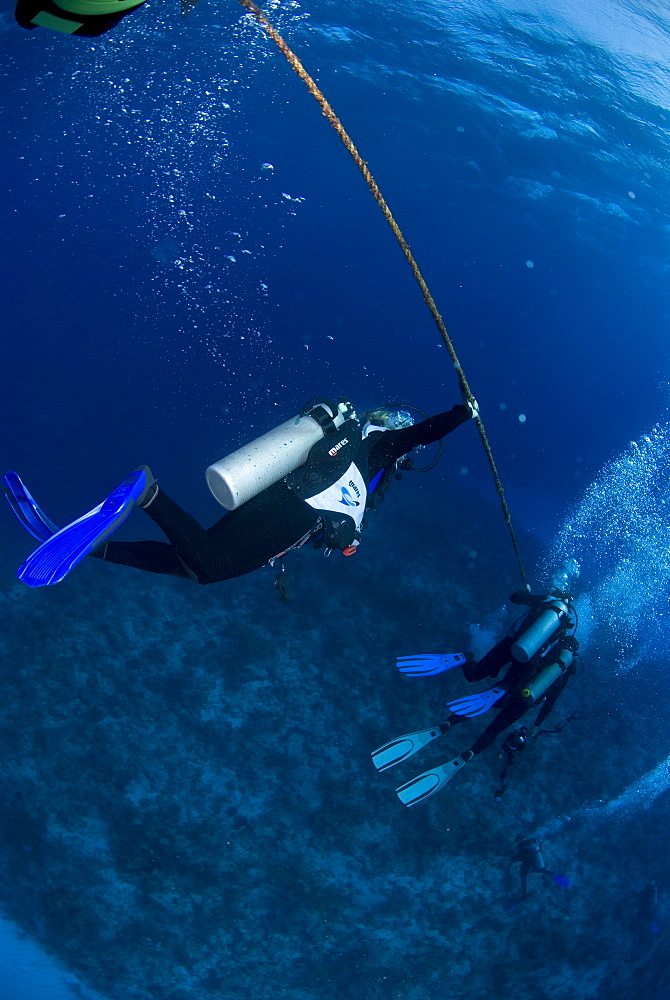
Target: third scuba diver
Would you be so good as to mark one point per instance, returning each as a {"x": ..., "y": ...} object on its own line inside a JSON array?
[
  {"x": 540, "y": 655},
  {"x": 309, "y": 480},
  {"x": 529, "y": 854}
]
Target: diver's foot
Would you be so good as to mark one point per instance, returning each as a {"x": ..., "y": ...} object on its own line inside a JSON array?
[{"x": 150, "y": 491}]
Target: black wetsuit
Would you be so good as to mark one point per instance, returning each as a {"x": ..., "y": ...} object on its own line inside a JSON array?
[
  {"x": 512, "y": 706},
  {"x": 279, "y": 518}
]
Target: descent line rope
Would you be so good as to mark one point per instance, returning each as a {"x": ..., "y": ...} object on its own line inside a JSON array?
[{"x": 332, "y": 118}]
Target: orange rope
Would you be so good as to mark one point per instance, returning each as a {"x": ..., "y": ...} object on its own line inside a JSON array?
[{"x": 332, "y": 118}]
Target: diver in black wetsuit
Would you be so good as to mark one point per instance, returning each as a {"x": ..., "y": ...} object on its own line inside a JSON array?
[
  {"x": 529, "y": 854},
  {"x": 325, "y": 498},
  {"x": 514, "y": 689},
  {"x": 540, "y": 657},
  {"x": 312, "y": 478}
]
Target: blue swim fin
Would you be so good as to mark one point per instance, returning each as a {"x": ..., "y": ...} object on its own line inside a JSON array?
[
  {"x": 54, "y": 559},
  {"x": 426, "y": 784},
  {"x": 403, "y": 747},
  {"x": 476, "y": 704},
  {"x": 429, "y": 664},
  {"x": 25, "y": 509}
]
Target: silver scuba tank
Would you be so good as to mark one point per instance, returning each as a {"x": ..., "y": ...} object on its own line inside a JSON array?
[
  {"x": 530, "y": 851},
  {"x": 537, "y": 688},
  {"x": 251, "y": 469},
  {"x": 544, "y": 626}
]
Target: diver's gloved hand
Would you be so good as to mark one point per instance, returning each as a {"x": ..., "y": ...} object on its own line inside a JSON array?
[
  {"x": 429, "y": 664},
  {"x": 476, "y": 704},
  {"x": 472, "y": 406}
]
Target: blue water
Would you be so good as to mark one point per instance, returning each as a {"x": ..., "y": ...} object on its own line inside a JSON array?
[{"x": 188, "y": 254}]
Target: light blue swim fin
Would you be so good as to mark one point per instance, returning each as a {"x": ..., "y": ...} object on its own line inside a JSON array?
[
  {"x": 406, "y": 746},
  {"x": 426, "y": 784},
  {"x": 54, "y": 559},
  {"x": 429, "y": 664},
  {"x": 476, "y": 704},
  {"x": 25, "y": 509}
]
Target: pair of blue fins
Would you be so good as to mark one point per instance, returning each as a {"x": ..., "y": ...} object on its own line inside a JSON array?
[
  {"x": 61, "y": 549},
  {"x": 395, "y": 751}
]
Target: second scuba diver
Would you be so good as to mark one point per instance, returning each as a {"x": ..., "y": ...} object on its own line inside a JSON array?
[
  {"x": 540, "y": 656},
  {"x": 309, "y": 480}
]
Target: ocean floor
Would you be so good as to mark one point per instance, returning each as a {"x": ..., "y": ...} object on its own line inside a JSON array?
[{"x": 189, "y": 810}]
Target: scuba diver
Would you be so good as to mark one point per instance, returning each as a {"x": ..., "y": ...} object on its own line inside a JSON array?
[
  {"x": 539, "y": 654},
  {"x": 529, "y": 854},
  {"x": 309, "y": 480},
  {"x": 74, "y": 17}
]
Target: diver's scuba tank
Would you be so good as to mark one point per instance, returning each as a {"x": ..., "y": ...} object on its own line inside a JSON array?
[
  {"x": 543, "y": 627},
  {"x": 549, "y": 675},
  {"x": 251, "y": 469},
  {"x": 530, "y": 852}
]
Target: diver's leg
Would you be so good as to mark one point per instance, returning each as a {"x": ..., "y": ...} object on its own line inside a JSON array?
[
  {"x": 242, "y": 541},
  {"x": 201, "y": 557},
  {"x": 491, "y": 663},
  {"x": 509, "y": 714},
  {"x": 454, "y": 720},
  {"x": 154, "y": 557},
  {"x": 191, "y": 553}
]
